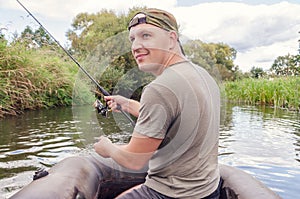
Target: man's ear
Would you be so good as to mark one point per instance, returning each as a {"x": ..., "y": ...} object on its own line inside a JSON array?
[{"x": 173, "y": 39}]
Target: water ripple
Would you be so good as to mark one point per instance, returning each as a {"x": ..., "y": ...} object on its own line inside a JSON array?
[{"x": 263, "y": 142}]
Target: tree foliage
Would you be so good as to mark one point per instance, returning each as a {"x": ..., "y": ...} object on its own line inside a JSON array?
[
  {"x": 257, "y": 72},
  {"x": 288, "y": 65},
  {"x": 35, "y": 38},
  {"x": 89, "y": 30},
  {"x": 216, "y": 58}
]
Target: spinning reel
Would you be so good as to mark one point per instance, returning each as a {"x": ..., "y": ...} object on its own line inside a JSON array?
[{"x": 101, "y": 108}]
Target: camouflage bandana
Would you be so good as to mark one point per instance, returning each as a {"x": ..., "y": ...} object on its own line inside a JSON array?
[{"x": 156, "y": 17}]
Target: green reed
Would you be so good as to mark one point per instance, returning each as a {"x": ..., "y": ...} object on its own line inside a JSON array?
[
  {"x": 283, "y": 92},
  {"x": 33, "y": 78}
]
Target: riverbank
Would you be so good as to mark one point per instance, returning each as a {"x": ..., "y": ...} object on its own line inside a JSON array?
[
  {"x": 280, "y": 92},
  {"x": 33, "y": 78}
]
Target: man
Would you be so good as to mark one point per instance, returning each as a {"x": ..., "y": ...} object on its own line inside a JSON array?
[{"x": 177, "y": 128}]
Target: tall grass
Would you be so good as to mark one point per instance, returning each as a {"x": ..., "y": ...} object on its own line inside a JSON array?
[
  {"x": 283, "y": 92},
  {"x": 33, "y": 78}
]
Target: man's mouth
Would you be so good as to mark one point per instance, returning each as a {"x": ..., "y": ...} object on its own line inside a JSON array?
[{"x": 139, "y": 57}]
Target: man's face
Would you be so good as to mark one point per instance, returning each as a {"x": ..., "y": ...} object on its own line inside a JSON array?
[{"x": 150, "y": 47}]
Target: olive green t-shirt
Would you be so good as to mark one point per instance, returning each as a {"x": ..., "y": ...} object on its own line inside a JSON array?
[{"x": 182, "y": 107}]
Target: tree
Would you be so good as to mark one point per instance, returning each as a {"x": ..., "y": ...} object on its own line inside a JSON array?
[
  {"x": 217, "y": 59},
  {"x": 35, "y": 38},
  {"x": 89, "y": 30},
  {"x": 224, "y": 56},
  {"x": 195, "y": 51},
  {"x": 42, "y": 38},
  {"x": 257, "y": 72},
  {"x": 288, "y": 65}
]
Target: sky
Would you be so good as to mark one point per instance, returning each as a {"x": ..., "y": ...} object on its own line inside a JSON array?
[{"x": 259, "y": 30}]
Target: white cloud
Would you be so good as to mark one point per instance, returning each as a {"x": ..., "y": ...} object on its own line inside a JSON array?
[
  {"x": 55, "y": 14},
  {"x": 260, "y": 33},
  {"x": 70, "y": 8},
  {"x": 264, "y": 56}
]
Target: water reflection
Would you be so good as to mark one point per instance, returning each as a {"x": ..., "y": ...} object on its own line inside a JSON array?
[
  {"x": 262, "y": 141},
  {"x": 262, "y": 135},
  {"x": 33, "y": 140}
]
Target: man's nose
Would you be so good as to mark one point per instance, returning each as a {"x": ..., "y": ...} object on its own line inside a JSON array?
[{"x": 136, "y": 44}]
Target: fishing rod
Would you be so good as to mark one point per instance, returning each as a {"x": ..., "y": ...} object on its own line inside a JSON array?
[{"x": 102, "y": 109}]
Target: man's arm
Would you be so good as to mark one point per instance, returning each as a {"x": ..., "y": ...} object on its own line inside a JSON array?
[{"x": 134, "y": 155}]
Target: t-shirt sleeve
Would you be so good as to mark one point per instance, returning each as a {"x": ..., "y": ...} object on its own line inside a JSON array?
[{"x": 157, "y": 111}]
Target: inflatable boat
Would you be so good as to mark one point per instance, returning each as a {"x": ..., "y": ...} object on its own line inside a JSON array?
[{"x": 93, "y": 177}]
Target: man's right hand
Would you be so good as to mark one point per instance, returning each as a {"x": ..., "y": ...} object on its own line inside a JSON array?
[{"x": 115, "y": 102}]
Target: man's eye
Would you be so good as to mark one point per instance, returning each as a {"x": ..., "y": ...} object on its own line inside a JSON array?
[
  {"x": 146, "y": 35},
  {"x": 131, "y": 39}
]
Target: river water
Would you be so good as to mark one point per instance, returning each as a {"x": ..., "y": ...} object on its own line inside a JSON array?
[{"x": 264, "y": 142}]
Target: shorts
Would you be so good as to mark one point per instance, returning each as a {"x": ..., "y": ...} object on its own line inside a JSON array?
[{"x": 144, "y": 192}]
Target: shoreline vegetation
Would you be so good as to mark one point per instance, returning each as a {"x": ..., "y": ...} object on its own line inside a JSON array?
[
  {"x": 35, "y": 73},
  {"x": 279, "y": 92},
  {"x": 42, "y": 78},
  {"x": 26, "y": 88},
  {"x": 32, "y": 79}
]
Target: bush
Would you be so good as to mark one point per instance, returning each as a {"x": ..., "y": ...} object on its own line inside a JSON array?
[{"x": 33, "y": 78}]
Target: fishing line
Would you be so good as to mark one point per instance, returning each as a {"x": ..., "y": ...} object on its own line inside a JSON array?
[{"x": 102, "y": 90}]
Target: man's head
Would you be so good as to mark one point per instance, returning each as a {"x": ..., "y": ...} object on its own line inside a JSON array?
[{"x": 154, "y": 37}]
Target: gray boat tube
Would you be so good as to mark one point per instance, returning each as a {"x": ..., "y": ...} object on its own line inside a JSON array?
[{"x": 94, "y": 177}]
